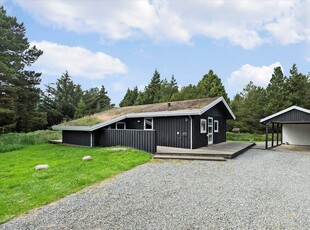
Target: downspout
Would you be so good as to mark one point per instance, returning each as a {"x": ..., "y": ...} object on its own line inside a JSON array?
[
  {"x": 91, "y": 139},
  {"x": 191, "y": 131}
]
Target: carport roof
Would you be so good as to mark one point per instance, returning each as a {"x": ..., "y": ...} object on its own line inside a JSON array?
[{"x": 293, "y": 114}]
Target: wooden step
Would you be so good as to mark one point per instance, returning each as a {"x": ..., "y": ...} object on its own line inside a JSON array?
[
  {"x": 187, "y": 157},
  {"x": 195, "y": 154}
]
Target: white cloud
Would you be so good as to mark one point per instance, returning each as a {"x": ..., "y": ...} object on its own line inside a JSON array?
[
  {"x": 119, "y": 87},
  {"x": 244, "y": 23},
  {"x": 78, "y": 61},
  {"x": 259, "y": 75}
]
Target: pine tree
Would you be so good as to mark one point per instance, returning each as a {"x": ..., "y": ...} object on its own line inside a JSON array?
[
  {"x": 130, "y": 97},
  {"x": 211, "y": 86},
  {"x": 151, "y": 93},
  {"x": 80, "y": 109},
  {"x": 249, "y": 108},
  {"x": 167, "y": 89},
  {"x": 298, "y": 88},
  {"x": 103, "y": 99},
  {"x": 19, "y": 95},
  {"x": 186, "y": 93},
  {"x": 65, "y": 96},
  {"x": 277, "y": 92}
]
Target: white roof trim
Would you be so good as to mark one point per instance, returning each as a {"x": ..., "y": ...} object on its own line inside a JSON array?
[
  {"x": 285, "y": 111},
  {"x": 220, "y": 99},
  {"x": 148, "y": 114}
]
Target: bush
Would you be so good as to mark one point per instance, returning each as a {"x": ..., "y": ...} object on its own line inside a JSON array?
[
  {"x": 230, "y": 136},
  {"x": 15, "y": 141}
]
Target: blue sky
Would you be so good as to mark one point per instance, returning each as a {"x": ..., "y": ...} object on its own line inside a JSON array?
[{"x": 119, "y": 44}]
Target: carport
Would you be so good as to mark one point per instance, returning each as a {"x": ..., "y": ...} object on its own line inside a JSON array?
[{"x": 292, "y": 123}]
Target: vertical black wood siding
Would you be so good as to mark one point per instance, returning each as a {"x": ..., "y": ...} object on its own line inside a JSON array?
[
  {"x": 218, "y": 112},
  {"x": 173, "y": 131},
  {"x": 293, "y": 116},
  {"x": 76, "y": 137},
  {"x": 139, "y": 139}
]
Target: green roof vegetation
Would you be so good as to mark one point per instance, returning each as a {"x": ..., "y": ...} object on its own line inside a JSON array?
[{"x": 158, "y": 107}]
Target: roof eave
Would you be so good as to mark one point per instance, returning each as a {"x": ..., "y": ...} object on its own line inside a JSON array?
[
  {"x": 71, "y": 128},
  {"x": 284, "y": 111},
  {"x": 147, "y": 114}
]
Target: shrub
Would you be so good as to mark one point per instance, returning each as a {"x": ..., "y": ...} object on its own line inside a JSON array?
[{"x": 15, "y": 141}]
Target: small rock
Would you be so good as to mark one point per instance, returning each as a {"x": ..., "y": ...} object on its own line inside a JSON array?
[
  {"x": 40, "y": 167},
  {"x": 118, "y": 149},
  {"x": 86, "y": 158}
]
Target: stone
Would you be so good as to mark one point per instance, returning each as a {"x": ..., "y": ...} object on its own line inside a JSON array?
[
  {"x": 40, "y": 167},
  {"x": 118, "y": 149},
  {"x": 86, "y": 158}
]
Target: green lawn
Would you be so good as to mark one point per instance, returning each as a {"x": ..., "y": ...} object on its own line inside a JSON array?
[
  {"x": 22, "y": 188},
  {"x": 249, "y": 137}
]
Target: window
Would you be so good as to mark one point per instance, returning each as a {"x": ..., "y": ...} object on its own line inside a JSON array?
[
  {"x": 120, "y": 125},
  {"x": 216, "y": 126},
  {"x": 203, "y": 126},
  {"x": 148, "y": 123}
]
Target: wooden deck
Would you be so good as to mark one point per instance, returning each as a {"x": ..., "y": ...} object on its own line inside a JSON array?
[{"x": 222, "y": 151}]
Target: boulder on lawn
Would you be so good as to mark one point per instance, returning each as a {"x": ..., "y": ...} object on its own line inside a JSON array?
[
  {"x": 86, "y": 158},
  {"x": 40, "y": 167},
  {"x": 118, "y": 149}
]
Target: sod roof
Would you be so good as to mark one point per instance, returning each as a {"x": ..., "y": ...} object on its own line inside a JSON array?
[{"x": 110, "y": 114}]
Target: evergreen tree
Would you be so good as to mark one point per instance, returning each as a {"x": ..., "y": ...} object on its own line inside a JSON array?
[
  {"x": 104, "y": 100},
  {"x": 80, "y": 109},
  {"x": 298, "y": 88},
  {"x": 49, "y": 106},
  {"x": 130, "y": 97},
  {"x": 186, "y": 93},
  {"x": 249, "y": 108},
  {"x": 151, "y": 93},
  {"x": 167, "y": 89},
  {"x": 19, "y": 95},
  {"x": 65, "y": 96},
  {"x": 277, "y": 92},
  {"x": 211, "y": 86}
]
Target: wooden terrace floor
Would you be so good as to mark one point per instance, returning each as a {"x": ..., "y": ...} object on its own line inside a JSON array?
[{"x": 227, "y": 150}]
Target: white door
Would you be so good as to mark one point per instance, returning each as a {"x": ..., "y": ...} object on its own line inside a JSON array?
[{"x": 210, "y": 130}]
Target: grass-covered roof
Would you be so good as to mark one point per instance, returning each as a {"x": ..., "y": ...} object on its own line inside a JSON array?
[{"x": 159, "y": 107}]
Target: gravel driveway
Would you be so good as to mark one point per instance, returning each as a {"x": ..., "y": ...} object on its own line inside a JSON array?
[{"x": 257, "y": 190}]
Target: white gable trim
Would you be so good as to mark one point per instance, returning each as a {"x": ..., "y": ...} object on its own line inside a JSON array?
[
  {"x": 212, "y": 104},
  {"x": 285, "y": 111}
]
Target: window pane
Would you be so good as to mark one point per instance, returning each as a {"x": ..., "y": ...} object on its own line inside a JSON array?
[
  {"x": 216, "y": 126},
  {"x": 148, "y": 123},
  {"x": 210, "y": 121},
  {"x": 203, "y": 126},
  {"x": 120, "y": 125}
]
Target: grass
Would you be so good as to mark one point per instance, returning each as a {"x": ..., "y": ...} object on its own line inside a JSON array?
[
  {"x": 248, "y": 137},
  {"x": 84, "y": 121},
  {"x": 16, "y": 141},
  {"x": 22, "y": 188}
]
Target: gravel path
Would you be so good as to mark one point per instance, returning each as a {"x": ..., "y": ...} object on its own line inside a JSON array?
[{"x": 257, "y": 190}]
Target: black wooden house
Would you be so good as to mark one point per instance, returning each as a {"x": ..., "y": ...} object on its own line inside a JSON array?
[{"x": 182, "y": 124}]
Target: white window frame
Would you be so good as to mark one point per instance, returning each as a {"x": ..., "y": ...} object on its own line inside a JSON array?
[
  {"x": 216, "y": 126},
  {"x": 144, "y": 125},
  {"x": 124, "y": 123},
  {"x": 205, "y": 126}
]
